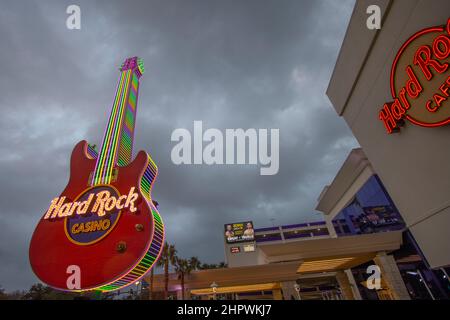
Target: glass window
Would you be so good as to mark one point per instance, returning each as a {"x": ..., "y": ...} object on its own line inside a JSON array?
[{"x": 371, "y": 210}]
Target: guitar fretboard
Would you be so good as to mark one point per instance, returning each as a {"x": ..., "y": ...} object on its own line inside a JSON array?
[{"x": 117, "y": 145}]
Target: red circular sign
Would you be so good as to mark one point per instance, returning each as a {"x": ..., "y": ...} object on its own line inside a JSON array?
[
  {"x": 420, "y": 81},
  {"x": 89, "y": 228}
]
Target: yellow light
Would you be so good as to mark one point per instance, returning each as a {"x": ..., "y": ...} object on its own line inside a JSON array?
[
  {"x": 237, "y": 289},
  {"x": 104, "y": 203}
]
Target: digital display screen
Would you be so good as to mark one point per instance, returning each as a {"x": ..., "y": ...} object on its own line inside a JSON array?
[{"x": 239, "y": 232}]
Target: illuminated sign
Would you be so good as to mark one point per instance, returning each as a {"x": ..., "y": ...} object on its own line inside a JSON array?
[
  {"x": 98, "y": 200},
  {"x": 94, "y": 213},
  {"x": 104, "y": 231},
  {"x": 420, "y": 81},
  {"x": 239, "y": 232},
  {"x": 249, "y": 247},
  {"x": 235, "y": 249}
]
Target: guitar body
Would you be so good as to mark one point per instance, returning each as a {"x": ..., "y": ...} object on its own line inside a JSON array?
[{"x": 101, "y": 265}]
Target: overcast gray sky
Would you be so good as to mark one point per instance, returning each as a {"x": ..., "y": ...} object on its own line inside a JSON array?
[{"x": 232, "y": 64}]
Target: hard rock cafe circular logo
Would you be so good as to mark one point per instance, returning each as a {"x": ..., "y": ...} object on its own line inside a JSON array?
[
  {"x": 420, "y": 81},
  {"x": 97, "y": 212}
]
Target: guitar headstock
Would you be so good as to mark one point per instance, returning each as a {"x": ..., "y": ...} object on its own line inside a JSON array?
[{"x": 133, "y": 63}]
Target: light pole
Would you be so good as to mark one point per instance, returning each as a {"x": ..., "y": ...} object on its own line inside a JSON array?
[{"x": 214, "y": 287}]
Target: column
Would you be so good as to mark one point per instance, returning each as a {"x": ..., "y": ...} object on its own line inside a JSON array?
[
  {"x": 345, "y": 285},
  {"x": 391, "y": 276},
  {"x": 353, "y": 284},
  {"x": 330, "y": 227},
  {"x": 288, "y": 289}
]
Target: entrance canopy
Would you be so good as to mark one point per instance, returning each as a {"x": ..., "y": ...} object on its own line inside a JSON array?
[
  {"x": 288, "y": 261},
  {"x": 238, "y": 289}
]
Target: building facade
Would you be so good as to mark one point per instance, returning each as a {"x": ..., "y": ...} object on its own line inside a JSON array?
[
  {"x": 411, "y": 160},
  {"x": 329, "y": 259},
  {"x": 356, "y": 203}
]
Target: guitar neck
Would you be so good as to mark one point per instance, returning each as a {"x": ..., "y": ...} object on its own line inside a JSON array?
[{"x": 117, "y": 145}]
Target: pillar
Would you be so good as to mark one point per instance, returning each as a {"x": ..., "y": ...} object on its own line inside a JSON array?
[
  {"x": 330, "y": 227},
  {"x": 345, "y": 285},
  {"x": 288, "y": 289},
  {"x": 353, "y": 284},
  {"x": 391, "y": 276}
]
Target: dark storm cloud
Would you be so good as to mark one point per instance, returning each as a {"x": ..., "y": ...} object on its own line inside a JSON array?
[{"x": 231, "y": 64}]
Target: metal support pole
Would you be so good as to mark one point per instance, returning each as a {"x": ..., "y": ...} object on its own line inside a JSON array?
[{"x": 425, "y": 283}]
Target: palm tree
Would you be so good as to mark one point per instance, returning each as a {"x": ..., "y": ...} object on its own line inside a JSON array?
[
  {"x": 167, "y": 258},
  {"x": 182, "y": 267},
  {"x": 206, "y": 266},
  {"x": 195, "y": 263}
]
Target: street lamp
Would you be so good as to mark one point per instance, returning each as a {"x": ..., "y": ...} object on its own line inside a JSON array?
[{"x": 214, "y": 287}]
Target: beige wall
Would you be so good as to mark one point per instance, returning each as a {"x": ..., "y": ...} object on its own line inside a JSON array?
[
  {"x": 414, "y": 165},
  {"x": 352, "y": 176},
  {"x": 242, "y": 258}
]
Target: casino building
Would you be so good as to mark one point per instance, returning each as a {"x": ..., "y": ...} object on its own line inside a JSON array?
[
  {"x": 366, "y": 91},
  {"x": 388, "y": 205},
  {"x": 326, "y": 259}
]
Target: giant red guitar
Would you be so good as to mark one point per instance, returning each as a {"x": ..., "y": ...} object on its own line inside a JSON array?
[{"x": 104, "y": 224}]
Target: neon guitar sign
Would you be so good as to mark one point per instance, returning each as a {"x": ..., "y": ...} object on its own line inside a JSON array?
[{"x": 104, "y": 221}]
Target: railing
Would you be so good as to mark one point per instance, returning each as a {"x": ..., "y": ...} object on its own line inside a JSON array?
[
  {"x": 305, "y": 230},
  {"x": 292, "y": 226},
  {"x": 267, "y": 229},
  {"x": 272, "y": 238},
  {"x": 297, "y": 235}
]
